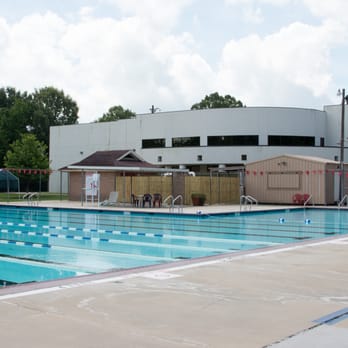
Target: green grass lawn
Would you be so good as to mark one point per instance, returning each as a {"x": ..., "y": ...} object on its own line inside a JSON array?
[{"x": 43, "y": 196}]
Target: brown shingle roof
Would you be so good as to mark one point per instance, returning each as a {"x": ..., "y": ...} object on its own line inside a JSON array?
[{"x": 116, "y": 158}]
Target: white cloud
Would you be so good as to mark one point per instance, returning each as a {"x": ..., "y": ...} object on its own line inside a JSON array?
[
  {"x": 335, "y": 9},
  {"x": 192, "y": 76},
  {"x": 253, "y": 15},
  {"x": 269, "y": 70},
  {"x": 139, "y": 59},
  {"x": 255, "y": 2},
  {"x": 99, "y": 62},
  {"x": 158, "y": 13}
]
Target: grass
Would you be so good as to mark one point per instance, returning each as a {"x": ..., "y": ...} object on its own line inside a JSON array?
[{"x": 43, "y": 196}]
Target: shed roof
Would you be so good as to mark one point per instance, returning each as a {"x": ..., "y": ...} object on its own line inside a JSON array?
[{"x": 300, "y": 157}]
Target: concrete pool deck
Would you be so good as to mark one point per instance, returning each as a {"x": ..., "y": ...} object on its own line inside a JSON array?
[{"x": 296, "y": 296}]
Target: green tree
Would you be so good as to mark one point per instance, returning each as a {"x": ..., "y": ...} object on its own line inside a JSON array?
[
  {"x": 214, "y": 101},
  {"x": 116, "y": 113},
  {"x": 16, "y": 112},
  {"x": 27, "y": 153},
  {"x": 51, "y": 108}
]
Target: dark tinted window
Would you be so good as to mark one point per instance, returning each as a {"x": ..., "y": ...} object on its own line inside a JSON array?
[
  {"x": 153, "y": 143},
  {"x": 288, "y": 140},
  {"x": 233, "y": 140},
  {"x": 185, "y": 141}
]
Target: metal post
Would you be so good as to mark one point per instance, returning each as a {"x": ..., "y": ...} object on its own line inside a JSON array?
[{"x": 342, "y": 146}]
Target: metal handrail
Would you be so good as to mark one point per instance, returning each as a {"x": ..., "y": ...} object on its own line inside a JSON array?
[
  {"x": 180, "y": 207},
  {"x": 307, "y": 200},
  {"x": 29, "y": 196},
  {"x": 345, "y": 198},
  {"x": 247, "y": 199},
  {"x": 252, "y": 199},
  {"x": 164, "y": 203}
]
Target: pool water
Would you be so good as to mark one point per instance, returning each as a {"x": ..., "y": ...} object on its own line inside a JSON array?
[{"x": 38, "y": 244}]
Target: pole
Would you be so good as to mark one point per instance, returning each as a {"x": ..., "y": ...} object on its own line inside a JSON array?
[{"x": 342, "y": 146}]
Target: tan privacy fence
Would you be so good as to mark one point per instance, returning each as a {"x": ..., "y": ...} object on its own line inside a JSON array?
[
  {"x": 139, "y": 185},
  {"x": 223, "y": 190}
]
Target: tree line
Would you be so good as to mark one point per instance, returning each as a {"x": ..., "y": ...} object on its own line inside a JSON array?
[
  {"x": 25, "y": 121},
  {"x": 26, "y": 118}
]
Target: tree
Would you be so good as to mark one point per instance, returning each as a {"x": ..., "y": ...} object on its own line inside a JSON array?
[
  {"x": 33, "y": 113},
  {"x": 15, "y": 116},
  {"x": 27, "y": 152},
  {"x": 214, "y": 101},
  {"x": 116, "y": 113},
  {"x": 51, "y": 108}
]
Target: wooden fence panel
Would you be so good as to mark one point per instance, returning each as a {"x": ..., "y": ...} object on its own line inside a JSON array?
[{"x": 223, "y": 190}]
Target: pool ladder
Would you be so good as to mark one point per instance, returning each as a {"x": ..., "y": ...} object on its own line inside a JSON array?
[
  {"x": 247, "y": 201},
  {"x": 308, "y": 200},
  {"x": 32, "y": 198},
  {"x": 172, "y": 205},
  {"x": 344, "y": 199}
]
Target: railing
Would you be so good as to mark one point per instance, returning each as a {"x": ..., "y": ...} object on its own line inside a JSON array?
[
  {"x": 32, "y": 198},
  {"x": 180, "y": 206},
  {"x": 172, "y": 203},
  {"x": 344, "y": 199},
  {"x": 307, "y": 201},
  {"x": 247, "y": 201},
  {"x": 165, "y": 201}
]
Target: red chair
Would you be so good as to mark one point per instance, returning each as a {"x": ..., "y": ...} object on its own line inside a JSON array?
[
  {"x": 305, "y": 197},
  {"x": 297, "y": 198}
]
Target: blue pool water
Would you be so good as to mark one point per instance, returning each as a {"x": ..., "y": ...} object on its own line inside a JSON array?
[{"x": 38, "y": 244}]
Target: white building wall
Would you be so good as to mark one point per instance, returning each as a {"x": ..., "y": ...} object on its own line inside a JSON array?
[
  {"x": 333, "y": 124},
  {"x": 70, "y": 144}
]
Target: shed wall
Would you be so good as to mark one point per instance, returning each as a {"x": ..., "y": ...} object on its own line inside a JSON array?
[{"x": 277, "y": 180}]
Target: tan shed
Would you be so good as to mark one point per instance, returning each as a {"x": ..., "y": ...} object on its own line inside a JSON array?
[{"x": 290, "y": 179}]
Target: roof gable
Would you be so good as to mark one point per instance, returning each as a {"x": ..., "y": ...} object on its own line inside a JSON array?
[{"x": 115, "y": 158}]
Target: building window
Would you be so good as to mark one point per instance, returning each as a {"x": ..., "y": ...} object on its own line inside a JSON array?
[
  {"x": 289, "y": 140},
  {"x": 233, "y": 140},
  {"x": 185, "y": 141},
  {"x": 159, "y": 158},
  {"x": 153, "y": 143},
  {"x": 336, "y": 158},
  {"x": 243, "y": 157},
  {"x": 199, "y": 157}
]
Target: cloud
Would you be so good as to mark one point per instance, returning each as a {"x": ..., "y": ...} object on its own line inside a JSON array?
[
  {"x": 257, "y": 2},
  {"x": 253, "y": 15},
  {"x": 158, "y": 13},
  {"x": 271, "y": 69},
  {"x": 143, "y": 58},
  {"x": 100, "y": 62},
  {"x": 335, "y": 9}
]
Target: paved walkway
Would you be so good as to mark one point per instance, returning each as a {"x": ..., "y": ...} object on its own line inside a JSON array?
[{"x": 280, "y": 298}]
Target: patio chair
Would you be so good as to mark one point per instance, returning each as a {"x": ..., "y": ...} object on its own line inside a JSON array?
[
  {"x": 147, "y": 199},
  {"x": 112, "y": 200},
  {"x": 297, "y": 198},
  {"x": 157, "y": 199}
]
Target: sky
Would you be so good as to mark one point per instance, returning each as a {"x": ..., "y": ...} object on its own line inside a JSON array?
[{"x": 172, "y": 53}]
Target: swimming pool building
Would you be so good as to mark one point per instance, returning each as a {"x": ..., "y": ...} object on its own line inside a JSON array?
[{"x": 202, "y": 139}]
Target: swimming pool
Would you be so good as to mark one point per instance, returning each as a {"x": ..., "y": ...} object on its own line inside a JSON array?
[{"x": 38, "y": 244}]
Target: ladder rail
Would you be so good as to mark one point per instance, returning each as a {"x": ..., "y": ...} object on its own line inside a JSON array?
[
  {"x": 172, "y": 206},
  {"x": 344, "y": 199},
  {"x": 247, "y": 201}
]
